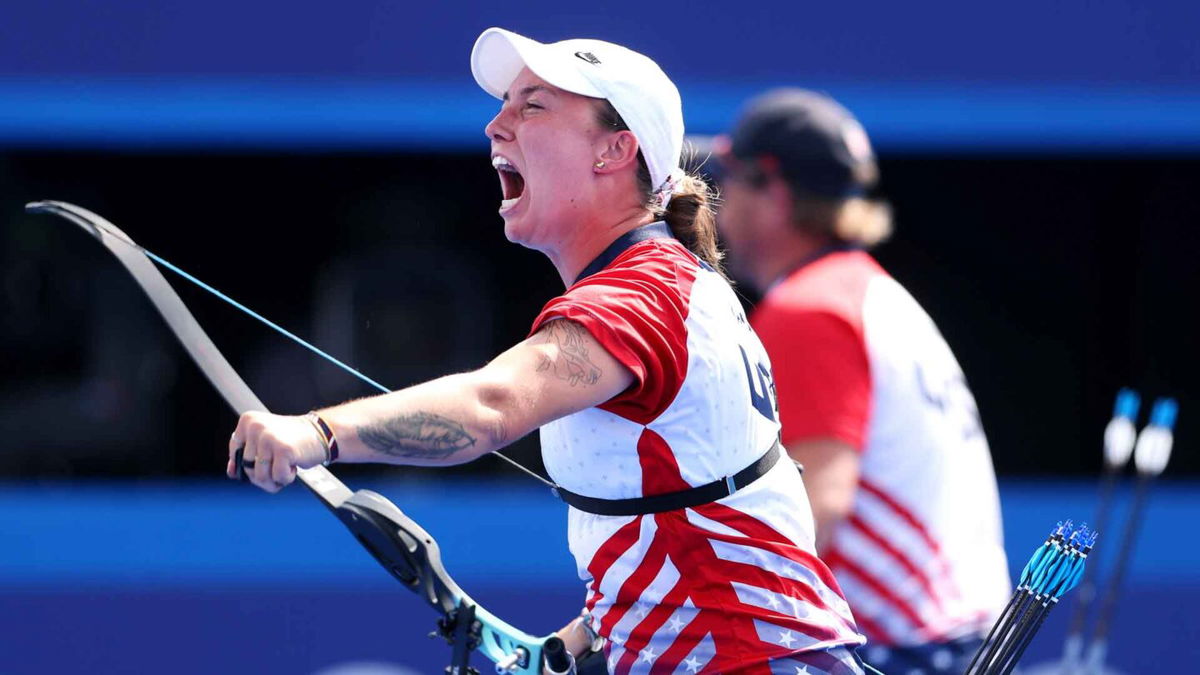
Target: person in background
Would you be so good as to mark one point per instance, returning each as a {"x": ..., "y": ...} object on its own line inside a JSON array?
[{"x": 872, "y": 401}]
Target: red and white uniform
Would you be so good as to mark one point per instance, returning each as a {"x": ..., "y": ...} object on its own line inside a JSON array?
[
  {"x": 722, "y": 587},
  {"x": 921, "y": 556}
]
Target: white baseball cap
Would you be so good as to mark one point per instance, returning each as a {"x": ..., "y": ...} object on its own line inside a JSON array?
[{"x": 633, "y": 83}]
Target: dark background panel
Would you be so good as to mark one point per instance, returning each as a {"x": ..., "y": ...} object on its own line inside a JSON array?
[{"x": 1055, "y": 280}]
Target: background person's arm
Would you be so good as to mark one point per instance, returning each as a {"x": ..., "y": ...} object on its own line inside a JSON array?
[
  {"x": 823, "y": 384},
  {"x": 831, "y": 479}
]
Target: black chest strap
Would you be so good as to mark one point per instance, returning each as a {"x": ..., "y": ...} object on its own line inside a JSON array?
[{"x": 671, "y": 501}]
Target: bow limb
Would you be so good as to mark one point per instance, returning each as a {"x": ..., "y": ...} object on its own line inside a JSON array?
[
  {"x": 402, "y": 546},
  {"x": 331, "y": 491}
]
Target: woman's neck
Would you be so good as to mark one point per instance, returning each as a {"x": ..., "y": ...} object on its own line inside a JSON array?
[
  {"x": 786, "y": 256},
  {"x": 589, "y": 240}
]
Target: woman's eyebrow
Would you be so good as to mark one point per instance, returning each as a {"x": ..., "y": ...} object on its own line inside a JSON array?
[{"x": 531, "y": 89}]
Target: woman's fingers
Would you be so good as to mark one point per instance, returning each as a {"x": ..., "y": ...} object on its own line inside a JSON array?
[
  {"x": 283, "y": 471},
  {"x": 271, "y": 445},
  {"x": 262, "y": 466},
  {"x": 245, "y": 437}
]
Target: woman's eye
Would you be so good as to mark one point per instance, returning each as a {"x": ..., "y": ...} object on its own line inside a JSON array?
[{"x": 531, "y": 104}]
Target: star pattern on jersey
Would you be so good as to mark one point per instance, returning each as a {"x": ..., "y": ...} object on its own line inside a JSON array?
[
  {"x": 676, "y": 625},
  {"x": 648, "y": 655},
  {"x": 693, "y": 664},
  {"x": 878, "y": 654},
  {"x": 942, "y": 659},
  {"x": 612, "y": 662},
  {"x": 641, "y": 611},
  {"x": 786, "y": 639},
  {"x": 773, "y": 601},
  {"x": 801, "y": 670}
]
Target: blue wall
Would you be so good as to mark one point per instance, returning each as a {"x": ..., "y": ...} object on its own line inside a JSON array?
[
  {"x": 203, "y": 578},
  {"x": 1083, "y": 76},
  {"x": 1072, "y": 41}
]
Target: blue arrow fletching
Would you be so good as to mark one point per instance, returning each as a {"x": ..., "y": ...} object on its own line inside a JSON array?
[
  {"x": 1073, "y": 580},
  {"x": 1164, "y": 413},
  {"x": 1034, "y": 561},
  {"x": 1127, "y": 405}
]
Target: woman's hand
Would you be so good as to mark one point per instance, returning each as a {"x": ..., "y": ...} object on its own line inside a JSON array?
[
  {"x": 278, "y": 445},
  {"x": 579, "y": 642}
]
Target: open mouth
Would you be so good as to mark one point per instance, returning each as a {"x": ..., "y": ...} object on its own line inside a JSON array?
[{"x": 511, "y": 182}]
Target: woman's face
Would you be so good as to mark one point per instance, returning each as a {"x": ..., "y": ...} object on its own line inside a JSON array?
[
  {"x": 739, "y": 222},
  {"x": 545, "y": 143}
]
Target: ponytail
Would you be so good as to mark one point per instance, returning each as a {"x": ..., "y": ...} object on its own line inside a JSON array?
[{"x": 693, "y": 221}]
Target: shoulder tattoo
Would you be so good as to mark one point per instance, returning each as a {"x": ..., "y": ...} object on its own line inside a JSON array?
[{"x": 572, "y": 364}]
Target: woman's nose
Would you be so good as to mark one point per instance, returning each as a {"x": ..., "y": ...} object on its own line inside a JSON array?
[{"x": 499, "y": 129}]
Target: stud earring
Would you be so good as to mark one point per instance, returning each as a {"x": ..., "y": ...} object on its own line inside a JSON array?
[{"x": 600, "y": 165}]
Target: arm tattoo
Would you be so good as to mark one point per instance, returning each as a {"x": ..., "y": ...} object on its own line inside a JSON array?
[
  {"x": 572, "y": 364},
  {"x": 418, "y": 434}
]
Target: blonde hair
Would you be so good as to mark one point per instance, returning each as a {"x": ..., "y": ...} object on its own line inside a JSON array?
[{"x": 854, "y": 220}]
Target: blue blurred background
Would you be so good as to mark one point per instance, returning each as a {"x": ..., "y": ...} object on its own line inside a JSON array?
[{"x": 325, "y": 163}]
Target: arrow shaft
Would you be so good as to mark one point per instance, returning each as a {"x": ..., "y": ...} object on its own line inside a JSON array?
[{"x": 1124, "y": 553}]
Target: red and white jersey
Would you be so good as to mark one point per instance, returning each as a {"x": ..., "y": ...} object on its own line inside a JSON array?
[
  {"x": 921, "y": 557},
  {"x": 722, "y": 587}
]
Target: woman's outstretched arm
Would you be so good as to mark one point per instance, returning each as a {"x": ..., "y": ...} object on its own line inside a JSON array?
[{"x": 451, "y": 420}]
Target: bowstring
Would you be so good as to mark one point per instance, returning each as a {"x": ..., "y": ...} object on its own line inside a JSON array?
[{"x": 314, "y": 349}]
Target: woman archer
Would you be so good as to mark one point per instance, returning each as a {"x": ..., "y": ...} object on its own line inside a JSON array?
[{"x": 652, "y": 395}]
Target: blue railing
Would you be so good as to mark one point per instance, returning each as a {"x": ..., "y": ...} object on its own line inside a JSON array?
[{"x": 205, "y": 577}]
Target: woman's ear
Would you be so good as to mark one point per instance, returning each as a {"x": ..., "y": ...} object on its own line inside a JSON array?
[{"x": 615, "y": 151}]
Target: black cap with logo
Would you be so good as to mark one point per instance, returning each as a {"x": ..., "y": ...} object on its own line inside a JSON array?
[{"x": 815, "y": 143}]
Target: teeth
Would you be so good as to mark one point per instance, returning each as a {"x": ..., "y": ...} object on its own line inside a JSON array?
[
  {"x": 499, "y": 162},
  {"x": 506, "y": 204}
]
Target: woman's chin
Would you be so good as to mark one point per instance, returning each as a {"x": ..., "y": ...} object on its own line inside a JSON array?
[
  {"x": 514, "y": 230},
  {"x": 510, "y": 231},
  {"x": 517, "y": 227}
]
